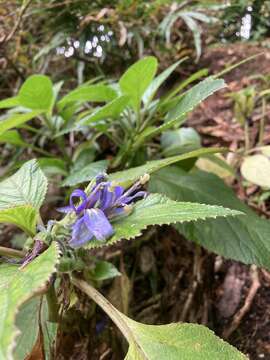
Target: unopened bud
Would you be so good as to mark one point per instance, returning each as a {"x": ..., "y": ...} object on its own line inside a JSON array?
[{"x": 144, "y": 179}]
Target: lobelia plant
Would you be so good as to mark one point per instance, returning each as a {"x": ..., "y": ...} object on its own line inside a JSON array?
[{"x": 108, "y": 210}]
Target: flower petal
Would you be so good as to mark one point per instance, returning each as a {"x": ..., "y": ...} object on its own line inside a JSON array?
[
  {"x": 98, "y": 224},
  {"x": 78, "y": 194},
  {"x": 65, "y": 209},
  {"x": 80, "y": 233},
  {"x": 128, "y": 199}
]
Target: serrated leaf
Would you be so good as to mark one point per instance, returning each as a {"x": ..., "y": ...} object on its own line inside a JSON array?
[
  {"x": 256, "y": 169},
  {"x": 109, "y": 111},
  {"x": 16, "y": 120},
  {"x": 87, "y": 173},
  {"x": 129, "y": 176},
  {"x": 137, "y": 78},
  {"x": 36, "y": 93},
  {"x": 96, "y": 93},
  {"x": 173, "y": 341},
  {"x": 157, "y": 209},
  {"x": 242, "y": 238},
  {"x": 16, "y": 287},
  {"x": 21, "y": 196},
  {"x": 177, "y": 341},
  {"x": 194, "y": 97}
]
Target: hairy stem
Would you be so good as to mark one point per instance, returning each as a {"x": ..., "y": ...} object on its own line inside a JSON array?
[{"x": 53, "y": 306}]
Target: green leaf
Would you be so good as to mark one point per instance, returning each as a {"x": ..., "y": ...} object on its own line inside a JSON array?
[
  {"x": 21, "y": 196},
  {"x": 31, "y": 317},
  {"x": 158, "y": 81},
  {"x": 256, "y": 169},
  {"x": 17, "y": 286},
  {"x": 157, "y": 209},
  {"x": 177, "y": 341},
  {"x": 110, "y": 111},
  {"x": 9, "y": 103},
  {"x": 129, "y": 176},
  {"x": 137, "y": 78},
  {"x": 96, "y": 93},
  {"x": 194, "y": 97},
  {"x": 36, "y": 93},
  {"x": 52, "y": 166},
  {"x": 243, "y": 238},
  {"x": 14, "y": 138},
  {"x": 16, "y": 120},
  {"x": 180, "y": 141},
  {"x": 103, "y": 270},
  {"x": 87, "y": 173}
]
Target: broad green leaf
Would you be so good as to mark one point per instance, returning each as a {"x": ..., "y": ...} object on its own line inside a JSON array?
[
  {"x": 21, "y": 196},
  {"x": 32, "y": 315},
  {"x": 177, "y": 341},
  {"x": 14, "y": 138},
  {"x": 110, "y": 111},
  {"x": 242, "y": 238},
  {"x": 129, "y": 176},
  {"x": 172, "y": 341},
  {"x": 180, "y": 141},
  {"x": 16, "y": 287},
  {"x": 137, "y": 78},
  {"x": 158, "y": 81},
  {"x": 36, "y": 93},
  {"x": 96, "y": 93},
  {"x": 157, "y": 209},
  {"x": 87, "y": 173},
  {"x": 9, "y": 103},
  {"x": 256, "y": 169},
  {"x": 15, "y": 120},
  {"x": 194, "y": 97}
]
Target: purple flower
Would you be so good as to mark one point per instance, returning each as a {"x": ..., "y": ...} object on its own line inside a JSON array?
[{"x": 94, "y": 212}]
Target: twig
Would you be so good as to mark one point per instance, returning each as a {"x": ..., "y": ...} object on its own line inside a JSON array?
[
  {"x": 248, "y": 302},
  {"x": 17, "y": 23}
]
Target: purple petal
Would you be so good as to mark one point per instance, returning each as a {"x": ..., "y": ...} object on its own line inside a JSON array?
[
  {"x": 124, "y": 200},
  {"x": 78, "y": 194},
  {"x": 98, "y": 224},
  {"x": 80, "y": 233},
  {"x": 107, "y": 197}
]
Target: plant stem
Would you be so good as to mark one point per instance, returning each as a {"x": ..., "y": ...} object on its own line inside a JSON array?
[
  {"x": 262, "y": 121},
  {"x": 4, "y": 251},
  {"x": 109, "y": 309},
  {"x": 246, "y": 132},
  {"x": 53, "y": 306}
]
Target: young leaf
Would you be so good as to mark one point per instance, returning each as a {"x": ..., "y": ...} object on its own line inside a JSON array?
[
  {"x": 241, "y": 238},
  {"x": 103, "y": 270},
  {"x": 9, "y": 103},
  {"x": 87, "y": 173},
  {"x": 96, "y": 93},
  {"x": 158, "y": 81},
  {"x": 17, "y": 286},
  {"x": 137, "y": 78},
  {"x": 129, "y": 176},
  {"x": 109, "y": 111},
  {"x": 16, "y": 120},
  {"x": 36, "y": 93},
  {"x": 21, "y": 196},
  {"x": 157, "y": 209}
]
